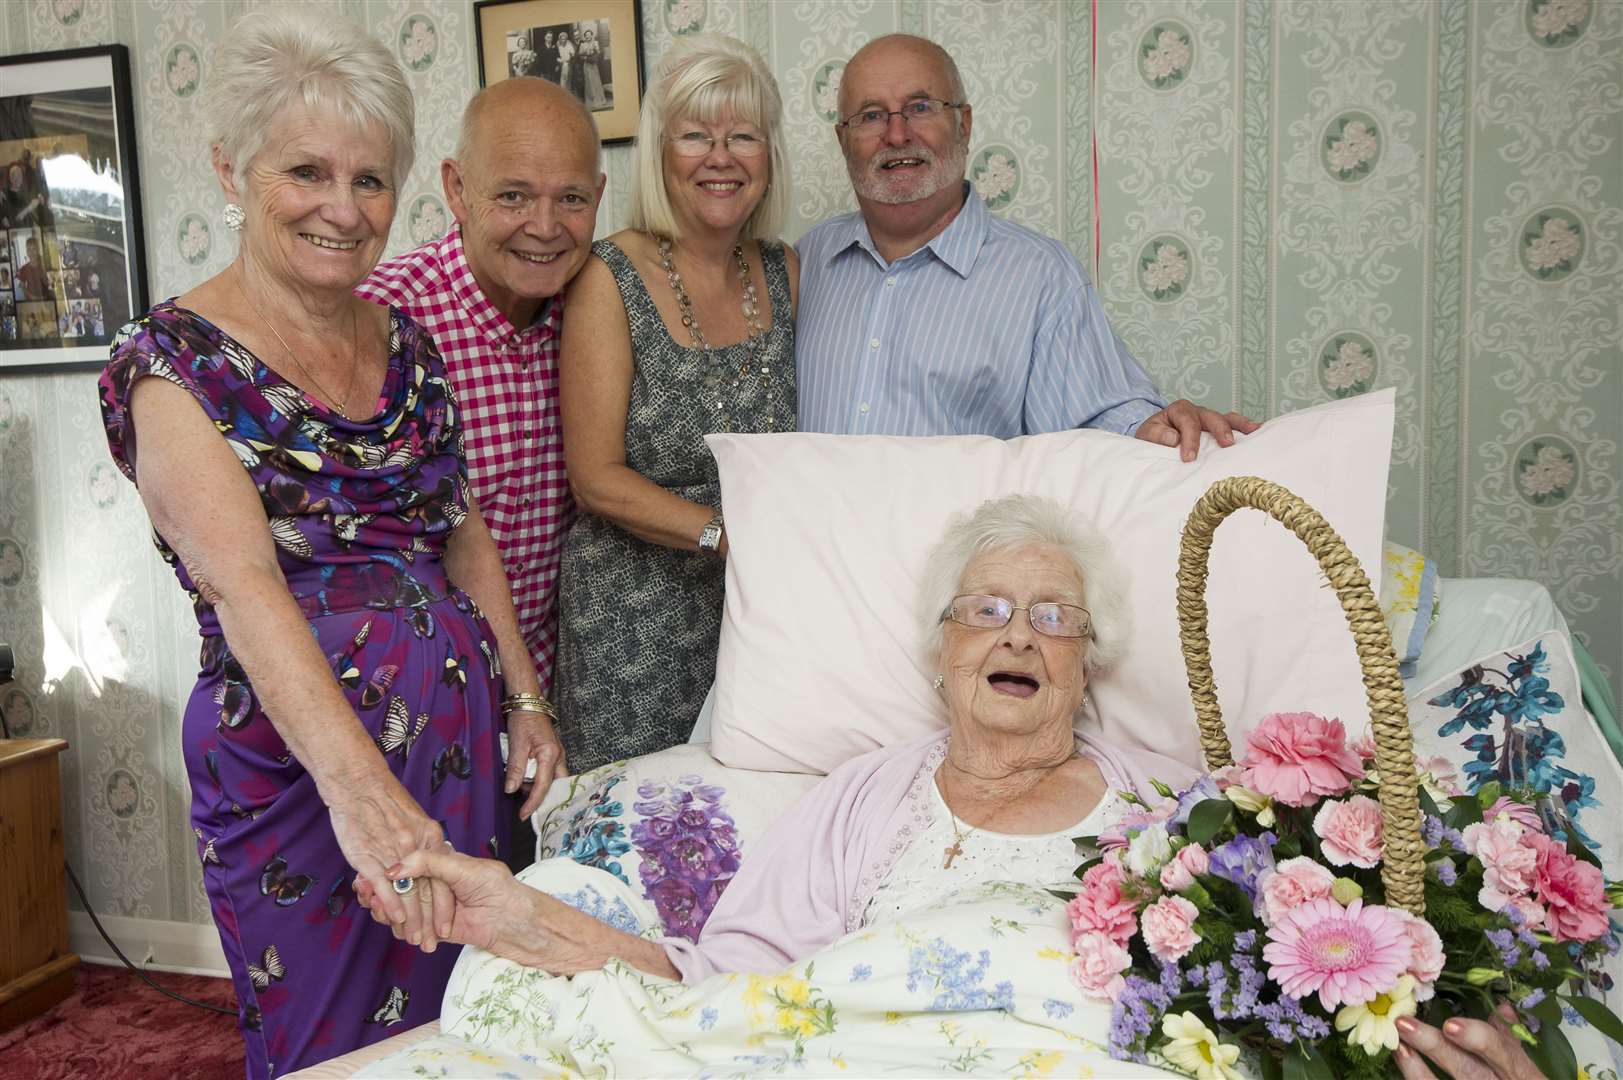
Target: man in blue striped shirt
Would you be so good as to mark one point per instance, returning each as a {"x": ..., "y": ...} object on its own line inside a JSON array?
[{"x": 925, "y": 315}]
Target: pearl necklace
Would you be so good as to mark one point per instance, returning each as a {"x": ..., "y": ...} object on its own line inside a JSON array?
[{"x": 751, "y": 309}]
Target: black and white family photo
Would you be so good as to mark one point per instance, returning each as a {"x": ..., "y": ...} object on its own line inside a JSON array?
[{"x": 575, "y": 55}]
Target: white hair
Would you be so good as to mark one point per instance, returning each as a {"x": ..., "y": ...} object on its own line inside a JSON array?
[
  {"x": 1017, "y": 521},
  {"x": 273, "y": 59},
  {"x": 702, "y": 77}
]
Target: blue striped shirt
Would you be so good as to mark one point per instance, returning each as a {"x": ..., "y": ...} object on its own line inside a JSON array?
[{"x": 988, "y": 329}]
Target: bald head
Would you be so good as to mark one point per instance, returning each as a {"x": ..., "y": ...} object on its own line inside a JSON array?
[
  {"x": 881, "y": 54},
  {"x": 531, "y": 103}
]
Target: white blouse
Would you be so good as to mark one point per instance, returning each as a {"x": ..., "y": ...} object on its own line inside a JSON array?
[{"x": 919, "y": 876}]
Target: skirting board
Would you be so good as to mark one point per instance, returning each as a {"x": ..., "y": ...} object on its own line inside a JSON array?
[{"x": 151, "y": 944}]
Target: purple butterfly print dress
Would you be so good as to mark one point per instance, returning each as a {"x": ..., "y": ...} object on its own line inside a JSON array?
[{"x": 360, "y": 512}]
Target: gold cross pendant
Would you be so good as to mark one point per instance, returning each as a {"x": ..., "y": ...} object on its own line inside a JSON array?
[{"x": 952, "y": 853}]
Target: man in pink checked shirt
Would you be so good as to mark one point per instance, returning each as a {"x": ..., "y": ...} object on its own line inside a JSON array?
[{"x": 524, "y": 187}]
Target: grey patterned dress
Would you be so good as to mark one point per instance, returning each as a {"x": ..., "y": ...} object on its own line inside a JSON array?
[{"x": 638, "y": 622}]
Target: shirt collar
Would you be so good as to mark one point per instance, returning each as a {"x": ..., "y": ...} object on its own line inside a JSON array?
[
  {"x": 958, "y": 245},
  {"x": 486, "y": 316}
]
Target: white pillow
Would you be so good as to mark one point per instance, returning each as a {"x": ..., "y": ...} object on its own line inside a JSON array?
[{"x": 827, "y": 534}]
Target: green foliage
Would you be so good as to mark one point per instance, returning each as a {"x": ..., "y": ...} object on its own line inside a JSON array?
[
  {"x": 1304, "y": 1062},
  {"x": 1216, "y": 940},
  {"x": 1209, "y": 816},
  {"x": 1599, "y": 1016},
  {"x": 1450, "y": 909}
]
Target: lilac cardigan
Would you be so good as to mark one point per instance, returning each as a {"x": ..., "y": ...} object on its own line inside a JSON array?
[{"x": 807, "y": 881}]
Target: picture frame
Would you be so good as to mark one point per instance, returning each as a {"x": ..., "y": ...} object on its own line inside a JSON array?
[
  {"x": 587, "y": 46},
  {"x": 72, "y": 248}
]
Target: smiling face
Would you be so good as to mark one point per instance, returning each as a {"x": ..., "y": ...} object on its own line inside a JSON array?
[
  {"x": 319, "y": 200},
  {"x": 526, "y": 194},
  {"x": 905, "y": 162},
  {"x": 719, "y": 190},
  {"x": 1014, "y": 680}
]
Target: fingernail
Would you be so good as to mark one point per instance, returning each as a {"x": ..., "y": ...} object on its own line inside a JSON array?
[
  {"x": 1402, "y": 1052},
  {"x": 416, "y": 938},
  {"x": 396, "y": 871},
  {"x": 511, "y": 787},
  {"x": 1453, "y": 1027},
  {"x": 1405, "y": 1026}
]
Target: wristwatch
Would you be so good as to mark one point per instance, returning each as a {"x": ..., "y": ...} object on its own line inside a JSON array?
[{"x": 710, "y": 536}]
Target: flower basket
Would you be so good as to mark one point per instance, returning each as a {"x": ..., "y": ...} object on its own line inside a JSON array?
[{"x": 1403, "y": 868}]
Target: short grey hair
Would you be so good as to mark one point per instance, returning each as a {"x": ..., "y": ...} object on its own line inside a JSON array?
[
  {"x": 1017, "y": 521},
  {"x": 274, "y": 59},
  {"x": 470, "y": 123},
  {"x": 703, "y": 76}
]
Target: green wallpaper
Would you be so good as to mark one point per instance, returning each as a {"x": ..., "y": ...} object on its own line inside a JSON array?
[{"x": 1298, "y": 199}]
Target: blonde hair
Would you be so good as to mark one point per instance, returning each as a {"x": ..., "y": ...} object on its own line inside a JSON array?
[
  {"x": 271, "y": 60},
  {"x": 703, "y": 77}
]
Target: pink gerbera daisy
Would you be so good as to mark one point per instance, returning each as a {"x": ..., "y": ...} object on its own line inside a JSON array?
[{"x": 1349, "y": 955}]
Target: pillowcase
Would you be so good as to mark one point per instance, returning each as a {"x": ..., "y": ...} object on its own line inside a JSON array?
[
  {"x": 820, "y": 656},
  {"x": 672, "y": 825},
  {"x": 1410, "y": 594}
]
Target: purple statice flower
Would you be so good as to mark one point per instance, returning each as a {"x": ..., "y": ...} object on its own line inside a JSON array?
[
  {"x": 1531, "y": 1000},
  {"x": 1135, "y": 1016},
  {"x": 1510, "y": 953},
  {"x": 1202, "y": 789},
  {"x": 1446, "y": 872},
  {"x": 1287, "y": 1021},
  {"x": 1540, "y": 961},
  {"x": 1431, "y": 830},
  {"x": 1243, "y": 859},
  {"x": 1171, "y": 980},
  {"x": 1513, "y": 914},
  {"x": 1525, "y": 936},
  {"x": 1245, "y": 940},
  {"x": 1196, "y": 976}
]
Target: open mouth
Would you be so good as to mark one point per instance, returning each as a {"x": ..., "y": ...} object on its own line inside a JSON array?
[
  {"x": 721, "y": 187},
  {"x": 1013, "y": 684},
  {"x": 331, "y": 245},
  {"x": 537, "y": 260},
  {"x": 902, "y": 163}
]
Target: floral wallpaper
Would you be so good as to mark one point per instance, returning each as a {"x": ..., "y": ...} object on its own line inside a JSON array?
[{"x": 1297, "y": 201}]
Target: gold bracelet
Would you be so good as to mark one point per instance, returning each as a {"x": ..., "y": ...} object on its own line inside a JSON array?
[{"x": 523, "y": 702}]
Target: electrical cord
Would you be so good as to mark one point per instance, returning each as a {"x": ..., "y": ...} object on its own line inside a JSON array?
[{"x": 5, "y": 729}]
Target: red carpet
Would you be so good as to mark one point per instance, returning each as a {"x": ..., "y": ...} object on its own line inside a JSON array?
[{"x": 114, "y": 1025}]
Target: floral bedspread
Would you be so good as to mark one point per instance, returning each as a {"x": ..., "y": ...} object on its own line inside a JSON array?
[{"x": 977, "y": 986}]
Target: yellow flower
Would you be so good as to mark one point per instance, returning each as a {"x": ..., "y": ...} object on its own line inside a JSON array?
[
  {"x": 1252, "y": 802},
  {"x": 1195, "y": 1049},
  {"x": 1038, "y": 1063},
  {"x": 1373, "y": 1025}
]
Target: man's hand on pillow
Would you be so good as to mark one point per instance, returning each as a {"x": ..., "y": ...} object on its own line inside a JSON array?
[{"x": 1181, "y": 423}]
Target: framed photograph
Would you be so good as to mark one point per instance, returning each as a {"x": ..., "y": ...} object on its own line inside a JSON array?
[
  {"x": 72, "y": 261},
  {"x": 593, "y": 48}
]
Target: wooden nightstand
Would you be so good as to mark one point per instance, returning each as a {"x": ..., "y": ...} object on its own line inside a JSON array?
[{"x": 36, "y": 968}]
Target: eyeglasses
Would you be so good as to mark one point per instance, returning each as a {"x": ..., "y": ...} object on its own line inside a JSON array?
[
  {"x": 919, "y": 111},
  {"x": 993, "y": 612},
  {"x": 696, "y": 144}
]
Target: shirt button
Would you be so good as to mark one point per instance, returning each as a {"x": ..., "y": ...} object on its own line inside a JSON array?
[
  {"x": 863, "y": 407},
  {"x": 874, "y": 344},
  {"x": 889, "y": 282}
]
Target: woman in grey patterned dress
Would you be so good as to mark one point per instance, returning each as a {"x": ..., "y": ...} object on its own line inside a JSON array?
[{"x": 680, "y": 326}]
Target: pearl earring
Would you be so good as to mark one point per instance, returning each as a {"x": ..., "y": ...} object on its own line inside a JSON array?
[
  {"x": 940, "y": 681},
  {"x": 234, "y": 217}
]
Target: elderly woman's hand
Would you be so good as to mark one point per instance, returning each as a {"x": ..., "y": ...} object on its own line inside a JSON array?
[
  {"x": 530, "y": 735},
  {"x": 377, "y": 824},
  {"x": 1465, "y": 1049},
  {"x": 492, "y": 909}
]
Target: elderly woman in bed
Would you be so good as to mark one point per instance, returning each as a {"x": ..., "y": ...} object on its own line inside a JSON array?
[{"x": 1023, "y": 606}]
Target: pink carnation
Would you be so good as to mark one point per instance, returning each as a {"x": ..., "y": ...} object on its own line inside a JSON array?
[
  {"x": 1189, "y": 863},
  {"x": 1350, "y": 831},
  {"x": 1169, "y": 928},
  {"x": 1298, "y": 757},
  {"x": 1098, "y": 966},
  {"x": 1573, "y": 891},
  {"x": 1426, "y": 956},
  {"x": 1521, "y": 813},
  {"x": 1291, "y": 884},
  {"x": 1099, "y": 908},
  {"x": 1509, "y": 864},
  {"x": 1347, "y": 955}
]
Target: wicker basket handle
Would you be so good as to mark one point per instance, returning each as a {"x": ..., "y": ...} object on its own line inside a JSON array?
[{"x": 1402, "y": 866}]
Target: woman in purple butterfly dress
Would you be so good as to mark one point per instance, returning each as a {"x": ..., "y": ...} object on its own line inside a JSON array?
[{"x": 299, "y": 453}]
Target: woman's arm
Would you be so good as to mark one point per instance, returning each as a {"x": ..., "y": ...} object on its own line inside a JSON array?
[
  {"x": 503, "y": 916},
  {"x": 207, "y": 510},
  {"x": 594, "y": 394},
  {"x": 473, "y": 562}
]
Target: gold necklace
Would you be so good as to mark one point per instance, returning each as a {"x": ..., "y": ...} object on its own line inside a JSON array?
[
  {"x": 957, "y": 847},
  {"x": 752, "y": 315},
  {"x": 335, "y": 403}
]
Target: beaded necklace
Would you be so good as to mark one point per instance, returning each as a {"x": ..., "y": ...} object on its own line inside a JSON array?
[{"x": 751, "y": 309}]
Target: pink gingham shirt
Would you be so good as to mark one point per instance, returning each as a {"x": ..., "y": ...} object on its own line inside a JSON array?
[{"x": 506, "y": 383}]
